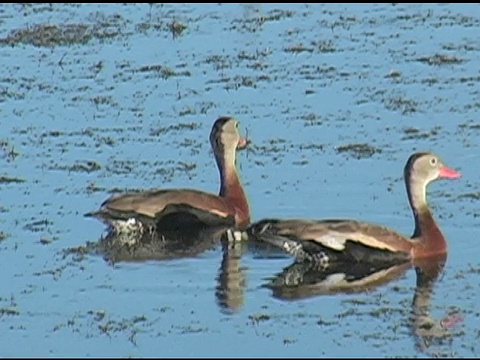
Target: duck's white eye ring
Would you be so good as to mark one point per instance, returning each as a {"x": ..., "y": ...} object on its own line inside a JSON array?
[{"x": 433, "y": 161}]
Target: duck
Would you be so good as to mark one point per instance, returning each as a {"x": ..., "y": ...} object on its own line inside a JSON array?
[
  {"x": 327, "y": 241},
  {"x": 157, "y": 210}
]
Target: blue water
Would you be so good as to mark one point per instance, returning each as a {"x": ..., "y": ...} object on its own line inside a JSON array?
[{"x": 303, "y": 80}]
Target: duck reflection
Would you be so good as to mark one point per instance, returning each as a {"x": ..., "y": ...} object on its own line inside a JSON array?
[
  {"x": 175, "y": 244},
  {"x": 306, "y": 279},
  {"x": 303, "y": 280},
  {"x": 427, "y": 331},
  {"x": 231, "y": 278}
]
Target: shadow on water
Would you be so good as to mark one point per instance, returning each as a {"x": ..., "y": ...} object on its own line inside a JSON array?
[{"x": 305, "y": 280}]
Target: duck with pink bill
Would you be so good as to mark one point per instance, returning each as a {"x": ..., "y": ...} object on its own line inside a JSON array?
[{"x": 349, "y": 240}]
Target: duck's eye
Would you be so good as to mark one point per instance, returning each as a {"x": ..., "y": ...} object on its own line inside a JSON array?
[
  {"x": 236, "y": 125},
  {"x": 433, "y": 161}
]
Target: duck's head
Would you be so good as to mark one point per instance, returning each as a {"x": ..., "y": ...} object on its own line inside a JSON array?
[
  {"x": 225, "y": 136},
  {"x": 425, "y": 167}
]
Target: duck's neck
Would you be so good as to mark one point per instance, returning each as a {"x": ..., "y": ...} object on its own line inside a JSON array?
[
  {"x": 426, "y": 228},
  {"x": 231, "y": 187}
]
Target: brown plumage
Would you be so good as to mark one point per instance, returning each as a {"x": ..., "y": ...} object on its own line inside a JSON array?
[
  {"x": 326, "y": 241},
  {"x": 172, "y": 209}
]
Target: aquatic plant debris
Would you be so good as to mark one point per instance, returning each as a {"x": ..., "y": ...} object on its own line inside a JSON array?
[{"x": 358, "y": 151}]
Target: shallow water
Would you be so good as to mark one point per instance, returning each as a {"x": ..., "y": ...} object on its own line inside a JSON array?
[{"x": 97, "y": 98}]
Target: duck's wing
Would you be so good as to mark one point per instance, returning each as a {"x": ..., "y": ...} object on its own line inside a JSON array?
[{"x": 336, "y": 239}]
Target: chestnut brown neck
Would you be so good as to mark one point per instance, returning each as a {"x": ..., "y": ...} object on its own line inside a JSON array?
[
  {"x": 231, "y": 187},
  {"x": 426, "y": 230}
]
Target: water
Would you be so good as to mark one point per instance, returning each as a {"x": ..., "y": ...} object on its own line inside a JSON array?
[{"x": 131, "y": 106}]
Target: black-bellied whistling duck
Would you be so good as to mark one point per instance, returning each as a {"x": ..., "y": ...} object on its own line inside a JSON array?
[
  {"x": 177, "y": 209},
  {"x": 325, "y": 241}
]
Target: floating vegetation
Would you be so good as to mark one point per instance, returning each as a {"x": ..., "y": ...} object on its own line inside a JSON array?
[
  {"x": 256, "y": 318},
  {"x": 9, "y": 311},
  {"x": 255, "y": 22},
  {"x": 103, "y": 100},
  {"x": 183, "y": 166},
  {"x": 473, "y": 196},
  {"x": 164, "y": 71},
  {"x": 393, "y": 74},
  {"x": 325, "y": 46},
  {"x": 298, "y": 49},
  {"x": 106, "y": 325},
  {"x": 38, "y": 225},
  {"x": 311, "y": 119},
  {"x": 51, "y": 35},
  {"x": 241, "y": 80},
  {"x": 406, "y": 106},
  {"x": 312, "y": 147},
  {"x": 315, "y": 72},
  {"x": 414, "y": 133},
  {"x": 177, "y": 127},
  {"x": 200, "y": 108},
  {"x": 257, "y": 55},
  {"x": 300, "y": 162},
  {"x": 245, "y": 81},
  {"x": 78, "y": 252},
  {"x": 48, "y": 35},
  {"x": 3, "y": 235},
  {"x": 358, "y": 151},
  {"x": 177, "y": 28},
  {"x": 53, "y": 133},
  {"x": 469, "y": 126},
  {"x": 439, "y": 59},
  {"x": 324, "y": 322},
  {"x": 219, "y": 62},
  {"x": 460, "y": 47},
  {"x": 45, "y": 240},
  {"x": 8, "y": 180},
  {"x": 121, "y": 167},
  {"x": 87, "y": 166}
]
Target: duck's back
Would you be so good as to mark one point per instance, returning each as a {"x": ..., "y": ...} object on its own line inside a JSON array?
[
  {"x": 333, "y": 239},
  {"x": 176, "y": 204}
]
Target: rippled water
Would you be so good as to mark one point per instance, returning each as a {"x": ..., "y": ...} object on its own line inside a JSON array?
[{"x": 101, "y": 98}]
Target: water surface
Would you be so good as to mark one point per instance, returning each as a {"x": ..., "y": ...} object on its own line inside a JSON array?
[{"x": 103, "y": 98}]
